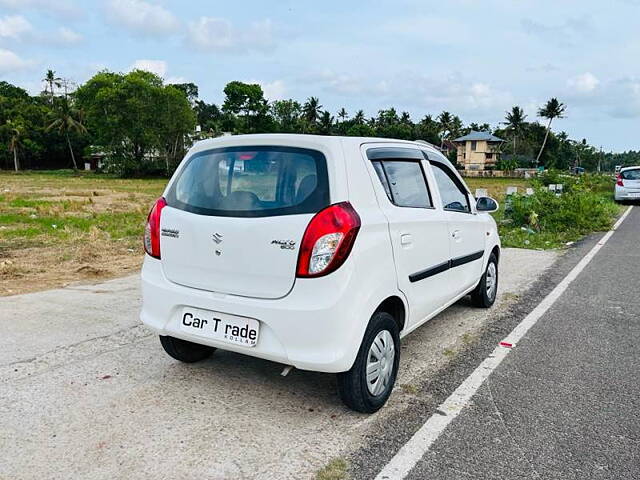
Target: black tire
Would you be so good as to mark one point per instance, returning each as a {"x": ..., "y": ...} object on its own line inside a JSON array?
[
  {"x": 352, "y": 385},
  {"x": 184, "y": 351},
  {"x": 480, "y": 297}
]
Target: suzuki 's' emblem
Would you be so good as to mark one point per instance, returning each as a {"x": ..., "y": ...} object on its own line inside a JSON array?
[{"x": 216, "y": 237}]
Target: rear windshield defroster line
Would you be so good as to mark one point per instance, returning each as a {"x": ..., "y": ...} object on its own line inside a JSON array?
[{"x": 252, "y": 181}]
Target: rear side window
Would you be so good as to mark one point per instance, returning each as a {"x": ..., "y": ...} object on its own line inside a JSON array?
[
  {"x": 252, "y": 182},
  {"x": 631, "y": 174}
]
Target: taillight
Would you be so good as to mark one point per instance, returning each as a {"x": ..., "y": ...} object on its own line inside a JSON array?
[
  {"x": 619, "y": 180},
  {"x": 152, "y": 229},
  {"x": 327, "y": 240}
]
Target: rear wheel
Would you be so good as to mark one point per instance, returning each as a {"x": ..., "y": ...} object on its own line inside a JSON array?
[
  {"x": 367, "y": 386},
  {"x": 485, "y": 293},
  {"x": 184, "y": 351}
]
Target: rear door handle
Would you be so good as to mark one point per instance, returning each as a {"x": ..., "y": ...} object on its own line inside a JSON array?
[
  {"x": 457, "y": 234},
  {"x": 406, "y": 239}
]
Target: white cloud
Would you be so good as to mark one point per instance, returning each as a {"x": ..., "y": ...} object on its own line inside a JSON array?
[
  {"x": 159, "y": 67},
  {"x": 275, "y": 90},
  {"x": 572, "y": 31},
  {"x": 622, "y": 99},
  {"x": 60, "y": 8},
  {"x": 14, "y": 26},
  {"x": 174, "y": 80},
  {"x": 66, "y": 36},
  {"x": 434, "y": 30},
  {"x": 618, "y": 98},
  {"x": 142, "y": 18},
  {"x": 218, "y": 34},
  {"x": 342, "y": 83},
  {"x": 10, "y": 62},
  {"x": 584, "y": 83}
]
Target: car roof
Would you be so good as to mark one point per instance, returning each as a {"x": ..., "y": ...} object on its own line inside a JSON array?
[
  {"x": 328, "y": 140},
  {"x": 630, "y": 168}
]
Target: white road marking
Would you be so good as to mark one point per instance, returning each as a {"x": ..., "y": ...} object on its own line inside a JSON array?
[{"x": 412, "y": 451}]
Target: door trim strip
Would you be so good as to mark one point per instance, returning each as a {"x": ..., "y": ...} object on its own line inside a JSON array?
[{"x": 443, "y": 267}]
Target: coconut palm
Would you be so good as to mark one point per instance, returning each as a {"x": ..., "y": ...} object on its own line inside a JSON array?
[
  {"x": 515, "y": 120},
  {"x": 343, "y": 115},
  {"x": 51, "y": 80},
  {"x": 455, "y": 127},
  {"x": 444, "y": 119},
  {"x": 16, "y": 134},
  {"x": 358, "y": 118},
  {"x": 552, "y": 109},
  {"x": 326, "y": 122},
  {"x": 311, "y": 110},
  {"x": 67, "y": 119}
]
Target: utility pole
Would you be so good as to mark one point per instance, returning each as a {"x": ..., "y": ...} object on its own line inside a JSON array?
[{"x": 600, "y": 158}]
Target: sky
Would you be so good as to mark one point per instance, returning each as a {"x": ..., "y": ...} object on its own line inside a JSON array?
[{"x": 475, "y": 59}]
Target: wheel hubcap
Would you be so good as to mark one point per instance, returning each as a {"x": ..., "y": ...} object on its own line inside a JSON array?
[
  {"x": 380, "y": 363},
  {"x": 492, "y": 280}
]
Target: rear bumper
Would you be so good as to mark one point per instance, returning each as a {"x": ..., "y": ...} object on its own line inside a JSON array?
[
  {"x": 318, "y": 326},
  {"x": 623, "y": 193}
]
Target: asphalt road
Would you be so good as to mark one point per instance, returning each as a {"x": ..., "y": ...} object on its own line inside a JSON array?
[
  {"x": 566, "y": 402},
  {"x": 87, "y": 392}
]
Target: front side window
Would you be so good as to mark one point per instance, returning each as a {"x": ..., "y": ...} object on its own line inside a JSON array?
[
  {"x": 252, "y": 182},
  {"x": 453, "y": 197}
]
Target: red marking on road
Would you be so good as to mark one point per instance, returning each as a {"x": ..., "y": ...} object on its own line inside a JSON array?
[{"x": 506, "y": 344}]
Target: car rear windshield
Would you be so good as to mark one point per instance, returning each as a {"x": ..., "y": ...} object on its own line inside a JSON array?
[
  {"x": 256, "y": 181},
  {"x": 631, "y": 174}
]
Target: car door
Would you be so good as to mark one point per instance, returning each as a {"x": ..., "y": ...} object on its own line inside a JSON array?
[
  {"x": 467, "y": 229},
  {"x": 418, "y": 231}
]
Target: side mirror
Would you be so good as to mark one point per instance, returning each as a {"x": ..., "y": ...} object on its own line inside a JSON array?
[{"x": 486, "y": 204}]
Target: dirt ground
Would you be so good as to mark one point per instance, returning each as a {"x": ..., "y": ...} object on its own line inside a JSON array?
[{"x": 57, "y": 229}]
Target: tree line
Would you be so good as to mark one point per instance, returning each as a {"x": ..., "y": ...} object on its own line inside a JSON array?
[{"x": 140, "y": 125}]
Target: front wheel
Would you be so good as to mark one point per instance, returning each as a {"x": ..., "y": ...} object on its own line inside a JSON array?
[
  {"x": 367, "y": 386},
  {"x": 485, "y": 293}
]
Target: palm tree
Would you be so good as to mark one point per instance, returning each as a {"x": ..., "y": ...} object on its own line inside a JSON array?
[
  {"x": 455, "y": 127},
  {"x": 67, "y": 119},
  {"x": 326, "y": 122},
  {"x": 15, "y": 141},
  {"x": 343, "y": 115},
  {"x": 445, "y": 126},
  {"x": 552, "y": 109},
  {"x": 311, "y": 110},
  {"x": 515, "y": 120},
  {"x": 51, "y": 80},
  {"x": 358, "y": 119}
]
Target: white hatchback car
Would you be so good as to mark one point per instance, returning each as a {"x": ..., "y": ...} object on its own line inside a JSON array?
[
  {"x": 315, "y": 252},
  {"x": 628, "y": 184}
]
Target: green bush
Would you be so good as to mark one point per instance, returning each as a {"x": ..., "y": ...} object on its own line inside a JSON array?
[{"x": 581, "y": 209}]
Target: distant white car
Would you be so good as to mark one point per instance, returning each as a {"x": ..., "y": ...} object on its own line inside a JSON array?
[
  {"x": 628, "y": 184},
  {"x": 315, "y": 252}
]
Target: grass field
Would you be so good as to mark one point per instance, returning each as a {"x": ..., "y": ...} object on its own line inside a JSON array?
[
  {"x": 497, "y": 187},
  {"x": 57, "y": 228}
]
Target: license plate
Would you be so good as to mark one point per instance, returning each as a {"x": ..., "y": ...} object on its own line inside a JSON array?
[
  {"x": 634, "y": 195},
  {"x": 220, "y": 326}
]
